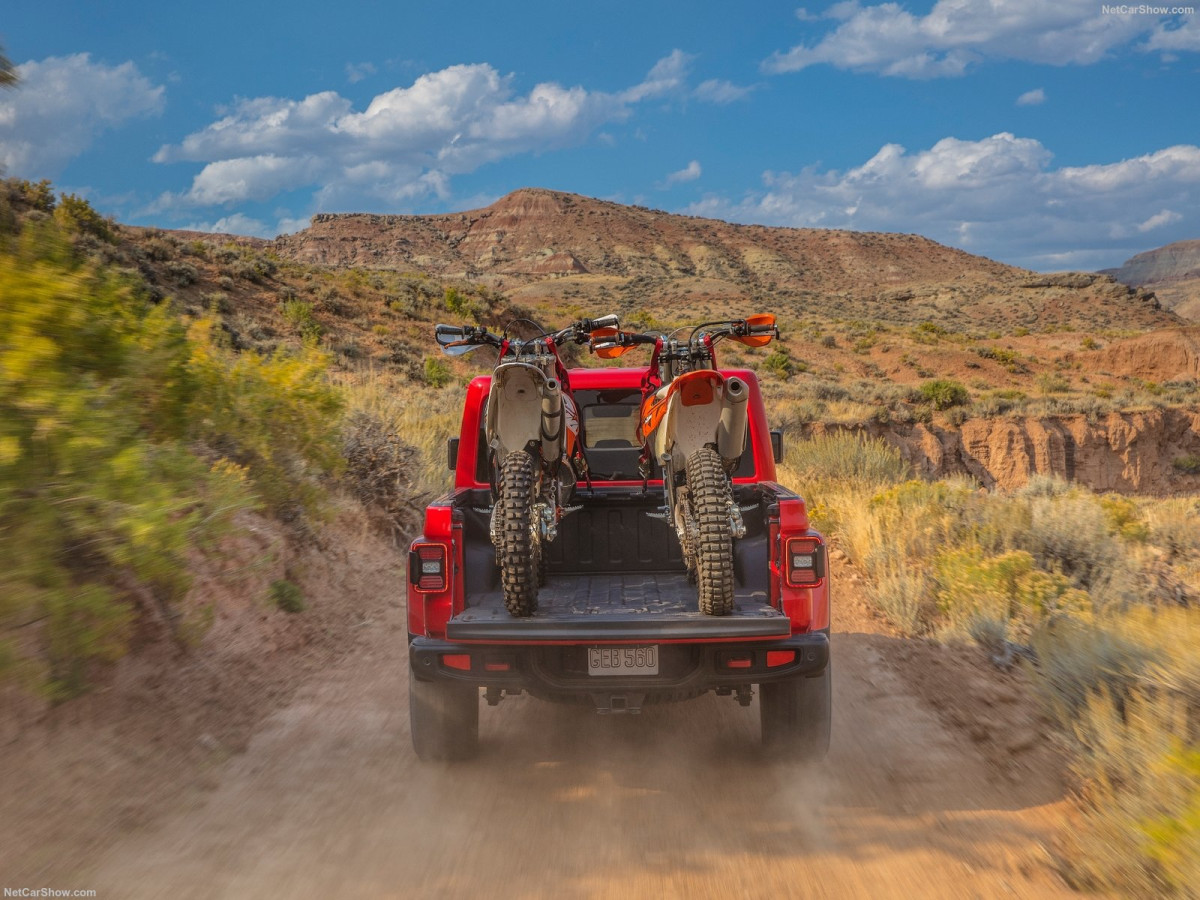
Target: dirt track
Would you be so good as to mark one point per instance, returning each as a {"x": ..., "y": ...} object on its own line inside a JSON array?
[{"x": 329, "y": 801}]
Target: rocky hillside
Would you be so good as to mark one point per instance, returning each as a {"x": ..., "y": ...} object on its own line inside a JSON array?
[
  {"x": 546, "y": 246},
  {"x": 1172, "y": 272}
]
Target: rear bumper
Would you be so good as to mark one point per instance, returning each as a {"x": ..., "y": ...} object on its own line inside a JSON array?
[{"x": 694, "y": 668}]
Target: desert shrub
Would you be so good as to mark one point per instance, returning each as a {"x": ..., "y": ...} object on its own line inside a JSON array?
[
  {"x": 98, "y": 488},
  {"x": 1052, "y": 383},
  {"x": 1189, "y": 465},
  {"x": 1070, "y": 534},
  {"x": 277, "y": 416},
  {"x": 182, "y": 273},
  {"x": 299, "y": 315},
  {"x": 287, "y": 596},
  {"x": 436, "y": 372},
  {"x": 76, "y": 215},
  {"x": 1175, "y": 526},
  {"x": 1006, "y": 588},
  {"x": 943, "y": 393},
  {"x": 846, "y": 458},
  {"x": 1128, "y": 692},
  {"x": 1124, "y": 518},
  {"x": 1009, "y": 359},
  {"x": 829, "y": 341},
  {"x": 379, "y": 465},
  {"x": 779, "y": 363}
]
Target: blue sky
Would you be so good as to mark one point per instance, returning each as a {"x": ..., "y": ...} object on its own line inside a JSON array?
[{"x": 1046, "y": 134}]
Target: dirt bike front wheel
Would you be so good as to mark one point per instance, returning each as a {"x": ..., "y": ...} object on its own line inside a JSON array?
[{"x": 710, "y": 497}]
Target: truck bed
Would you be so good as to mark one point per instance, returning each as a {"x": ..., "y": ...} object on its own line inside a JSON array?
[
  {"x": 615, "y": 574},
  {"x": 623, "y": 606}
]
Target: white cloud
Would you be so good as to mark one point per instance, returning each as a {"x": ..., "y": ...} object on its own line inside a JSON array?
[
  {"x": 62, "y": 104},
  {"x": 234, "y": 224},
  {"x": 668, "y": 75},
  {"x": 1159, "y": 219},
  {"x": 1036, "y": 97},
  {"x": 288, "y": 225},
  {"x": 356, "y": 72},
  {"x": 406, "y": 144},
  {"x": 999, "y": 196},
  {"x": 719, "y": 91},
  {"x": 889, "y": 40},
  {"x": 1186, "y": 36},
  {"x": 690, "y": 172}
]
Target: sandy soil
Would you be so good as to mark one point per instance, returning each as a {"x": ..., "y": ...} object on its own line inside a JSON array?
[{"x": 329, "y": 800}]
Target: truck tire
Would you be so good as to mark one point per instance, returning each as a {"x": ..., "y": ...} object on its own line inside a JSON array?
[
  {"x": 444, "y": 720},
  {"x": 519, "y": 549},
  {"x": 796, "y": 716},
  {"x": 710, "y": 496}
]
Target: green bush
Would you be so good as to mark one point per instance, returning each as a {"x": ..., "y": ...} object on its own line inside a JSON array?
[
  {"x": 779, "y": 363},
  {"x": 299, "y": 314},
  {"x": 436, "y": 372},
  {"x": 76, "y": 215},
  {"x": 105, "y": 399},
  {"x": 287, "y": 596},
  {"x": 843, "y": 457},
  {"x": 1189, "y": 465},
  {"x": 943, "y": 393}
]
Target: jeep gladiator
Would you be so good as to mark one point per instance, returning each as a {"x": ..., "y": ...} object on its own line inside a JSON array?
[{"x": 617, "y": 624}]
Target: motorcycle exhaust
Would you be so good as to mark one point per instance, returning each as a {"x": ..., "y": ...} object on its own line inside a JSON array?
[
  {"x": 731, "y": 432},
  {"x": 552, "y": 420}
]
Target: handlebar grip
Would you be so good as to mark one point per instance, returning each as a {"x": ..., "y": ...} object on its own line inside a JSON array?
[
  {"x": 454, "y": 331},
  {"x": 609, "y": 321}
]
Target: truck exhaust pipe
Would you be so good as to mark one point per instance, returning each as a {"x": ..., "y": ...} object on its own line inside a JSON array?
[{"x": 731, "y": 432}]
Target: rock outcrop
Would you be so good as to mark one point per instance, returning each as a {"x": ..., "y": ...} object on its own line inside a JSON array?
[
  {"x": 1172, "y": 272},
  {"x": 1130, "y": 452}
]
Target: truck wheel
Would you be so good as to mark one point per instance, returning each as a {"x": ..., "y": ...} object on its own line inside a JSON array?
[
  {"x": 710, "y": 495},
  {"x": 519, "y": 550},
  {"x": 796, "y": 716},
  {"x": 444, "y": 720}
]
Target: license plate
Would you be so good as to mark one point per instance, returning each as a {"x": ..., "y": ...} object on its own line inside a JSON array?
[{"x": 623, "y": 660}]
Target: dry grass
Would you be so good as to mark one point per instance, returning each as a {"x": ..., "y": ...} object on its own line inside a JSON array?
[{"x": 1077, "y": 578}]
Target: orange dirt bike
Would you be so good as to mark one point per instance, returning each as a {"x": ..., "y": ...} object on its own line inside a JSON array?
[
  {"x": 693, "y": 423},
  {"x": 532, "y": 432}
]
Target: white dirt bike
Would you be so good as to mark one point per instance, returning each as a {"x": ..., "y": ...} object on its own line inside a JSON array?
[
  {"x": 534, "y": 445},
  {"x": 693, "y": 423}
]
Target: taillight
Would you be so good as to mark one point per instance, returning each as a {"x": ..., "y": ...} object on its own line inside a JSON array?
[
  {"x": 805, "y": 563},
  {"x": 780, "y": 657},
  {"x": 427, "y": 567}
]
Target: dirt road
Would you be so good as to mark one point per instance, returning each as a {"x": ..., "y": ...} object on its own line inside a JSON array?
[{"x": 329, "y": 801}]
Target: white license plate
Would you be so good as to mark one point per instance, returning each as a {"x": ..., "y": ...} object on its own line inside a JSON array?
[{"x": 623, "y": 660}]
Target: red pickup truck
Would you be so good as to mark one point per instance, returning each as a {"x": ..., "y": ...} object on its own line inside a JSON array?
[{"x": 618, "y": 624}]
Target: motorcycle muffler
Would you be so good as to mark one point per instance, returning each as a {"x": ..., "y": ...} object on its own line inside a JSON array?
[
  {"x": 552, "y": 420},
  {"x": 731, "y": 432}
]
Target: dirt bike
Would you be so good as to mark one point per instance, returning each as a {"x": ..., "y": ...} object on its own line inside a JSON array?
[
  {"x": 535, "y": 450},
  {"x": 693, "y": 423}
]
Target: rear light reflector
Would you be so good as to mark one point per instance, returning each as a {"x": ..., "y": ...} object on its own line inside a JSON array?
[
  {"x": 780, "y": 657},
  {"x": 497, "y": 666},
  {"x": 460, "y": 661},
  {"x": 805, "y": 562},
  {"x": 739, "y": 662},
  {"x": 427, "y": 567}
]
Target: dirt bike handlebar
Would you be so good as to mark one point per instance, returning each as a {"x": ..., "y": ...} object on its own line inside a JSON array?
[{"x": 458, "y": 339}]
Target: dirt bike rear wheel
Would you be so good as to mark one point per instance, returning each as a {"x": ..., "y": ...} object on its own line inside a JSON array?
[
  {"x": 520, "y": 549},
  {"x": 710, "y": 496}
]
